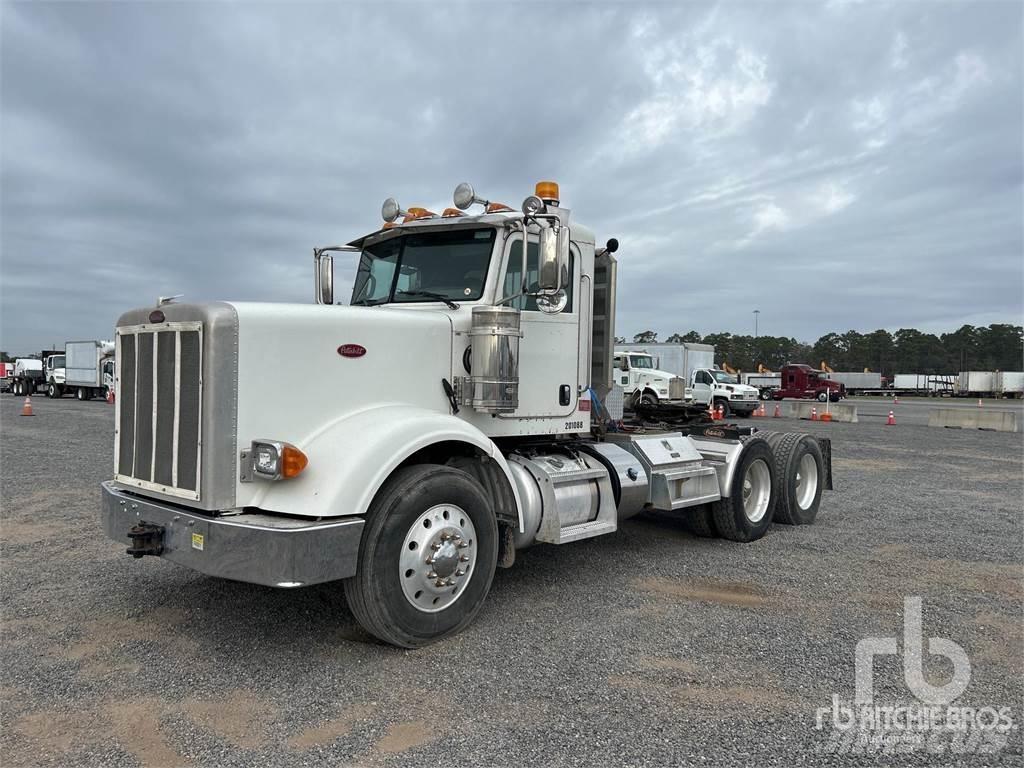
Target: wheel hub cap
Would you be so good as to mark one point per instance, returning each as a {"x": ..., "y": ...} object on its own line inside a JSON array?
[{"x": 437, "y": 558}]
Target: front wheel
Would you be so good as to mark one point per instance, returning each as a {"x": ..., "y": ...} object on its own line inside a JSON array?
[
  {"x": 648, "y": 400},
  {"x": 427, "y": 556},
  {"x": 822, "y": 397},
  {"x": 724, "y": 405},
  {"x": 766, "y": 395},
  {"x": 52, "y": 390}
]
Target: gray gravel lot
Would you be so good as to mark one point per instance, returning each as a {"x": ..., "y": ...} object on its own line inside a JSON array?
[{"x": 646, "y": 647}]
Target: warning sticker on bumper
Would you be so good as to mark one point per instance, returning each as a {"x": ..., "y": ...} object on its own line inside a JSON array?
[{"x": 197, "y": 541}]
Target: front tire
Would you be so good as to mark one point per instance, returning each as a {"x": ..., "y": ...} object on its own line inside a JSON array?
[
  {"x": 822, "y": 397},
  {"x": 746, "y": 513},
  {"x": 52, "y": 390},
  {"x": 724, "y": 405},
  {"x": 425, "y": 512},
  {"x": 648, "y": 400}
]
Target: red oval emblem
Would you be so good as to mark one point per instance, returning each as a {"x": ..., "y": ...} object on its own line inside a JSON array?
[
  {"x": 351, "y": 350},
  {"x": 156, "y": 316}
]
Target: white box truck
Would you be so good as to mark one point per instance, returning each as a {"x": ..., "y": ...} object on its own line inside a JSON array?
[
  {"x": 1010, "y": 383},
  {"x": 976, "y": 383},
  {"x": 89, "y": 368},
  {"x": 481, "y": 434}
]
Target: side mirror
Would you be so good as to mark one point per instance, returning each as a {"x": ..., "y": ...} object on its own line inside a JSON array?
[
  {"x": 553, "y": 259},
  {"x": 625, "y": 364},
  {"x": 324, "y": 278}
]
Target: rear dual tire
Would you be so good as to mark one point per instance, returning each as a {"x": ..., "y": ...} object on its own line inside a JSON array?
[
  {"x": 745, "y": 514},
  {"x": 800, "y": 468}
]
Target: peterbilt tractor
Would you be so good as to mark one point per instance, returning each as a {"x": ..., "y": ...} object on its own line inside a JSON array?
[{"x": 492, "y": 423}]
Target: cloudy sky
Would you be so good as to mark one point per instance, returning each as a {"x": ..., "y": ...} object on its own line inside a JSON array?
[{"x": 836, "y": 165}]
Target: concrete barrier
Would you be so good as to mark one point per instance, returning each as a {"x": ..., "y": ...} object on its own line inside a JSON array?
[
  {"x": 801, "y": 409},
  {"x": 973, "y": 418}
]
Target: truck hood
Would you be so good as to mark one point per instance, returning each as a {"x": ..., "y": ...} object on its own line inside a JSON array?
[{"x": 282, "y": 372}]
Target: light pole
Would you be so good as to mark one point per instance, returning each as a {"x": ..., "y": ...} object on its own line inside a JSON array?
[{"x": 756, "y": 313}]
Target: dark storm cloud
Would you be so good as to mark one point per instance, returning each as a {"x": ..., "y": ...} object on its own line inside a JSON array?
[{"x": 836, "y": 166}]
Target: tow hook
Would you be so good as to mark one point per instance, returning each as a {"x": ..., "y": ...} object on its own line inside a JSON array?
[{"x": 147, "y": 539}]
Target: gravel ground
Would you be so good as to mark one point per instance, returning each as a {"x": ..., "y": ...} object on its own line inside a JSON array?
[{"x": 646, "y": 647}]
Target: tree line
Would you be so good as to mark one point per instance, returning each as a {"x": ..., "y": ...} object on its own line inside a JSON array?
[{"x": 997, "y": 347}]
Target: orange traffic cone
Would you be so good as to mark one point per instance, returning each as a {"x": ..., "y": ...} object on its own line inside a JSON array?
[
  {"x": 814, "y": 413},
  {"x": 110, "y": 396},
  {"x": 891, "y": 421},
  {"x": 26, "y": 409},
  {"x": 895, "y": 399},
  {"x": 778, "y": 412},
  {"x": 979, "y": 402}
]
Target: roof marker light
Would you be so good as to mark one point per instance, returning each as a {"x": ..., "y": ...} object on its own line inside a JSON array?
[
  {"x": 497, "y": 207},
  {"x": 418, "y": 213},
  {"x": 450, "y": 213}
]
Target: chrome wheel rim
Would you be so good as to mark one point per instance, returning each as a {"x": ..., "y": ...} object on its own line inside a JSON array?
[
  {"x": 437, "y": 559},
  {"x": 806, "y": 481},
  {"x": 757, "y": 490}
]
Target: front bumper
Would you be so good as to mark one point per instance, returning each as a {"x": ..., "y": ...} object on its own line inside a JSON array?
[{"x": 261, "y": 549}]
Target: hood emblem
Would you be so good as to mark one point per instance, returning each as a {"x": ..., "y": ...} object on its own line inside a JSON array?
[{"x": 351, "y": 350}]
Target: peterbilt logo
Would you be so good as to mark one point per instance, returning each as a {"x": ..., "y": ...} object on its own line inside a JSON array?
[
  {"x": 712, "y": 432},
  {"x": 351, "y": 350}
]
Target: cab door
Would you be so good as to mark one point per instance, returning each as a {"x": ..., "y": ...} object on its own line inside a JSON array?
[
  {"x": 703, "y": 386},
  {"x": 549, "y": 350}
]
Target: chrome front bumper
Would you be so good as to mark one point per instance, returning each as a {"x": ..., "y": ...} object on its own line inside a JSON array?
[{"x": 261, "y": 549}]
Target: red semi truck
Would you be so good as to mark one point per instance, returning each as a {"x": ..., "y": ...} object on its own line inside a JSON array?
[{"x": 805, "y": 383}]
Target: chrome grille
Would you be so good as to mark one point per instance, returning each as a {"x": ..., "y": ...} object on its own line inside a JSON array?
[
  {"x": 159, "y": 407},
  {"x": 676, "y": 388}
]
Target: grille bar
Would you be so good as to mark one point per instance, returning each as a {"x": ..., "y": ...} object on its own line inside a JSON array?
[{"x": 158, "y": 440}]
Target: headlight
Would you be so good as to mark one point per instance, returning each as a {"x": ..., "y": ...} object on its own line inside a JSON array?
[{"x": 276, "y": 460}]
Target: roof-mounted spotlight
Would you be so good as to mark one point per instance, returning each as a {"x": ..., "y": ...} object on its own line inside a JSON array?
[
  {"x": 533, "y": 205},
  {"x": 391, "y": 210},
  {"x": 465, "y": 197}
]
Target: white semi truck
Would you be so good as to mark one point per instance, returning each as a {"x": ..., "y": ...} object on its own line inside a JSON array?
[{"x": 482, "y": 433}]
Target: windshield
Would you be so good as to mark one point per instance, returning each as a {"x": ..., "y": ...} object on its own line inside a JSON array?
[
  {"x": 724, "y": 378},
  {"x": 641, "y": 361},
  {"x": 425, "y": 266},
  {"x": 57, "y": 361}
]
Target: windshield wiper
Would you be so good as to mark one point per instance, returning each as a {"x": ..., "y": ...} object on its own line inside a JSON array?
[
  {"x": 431, "y": 295},
  {"x": 368, "y": 302}
]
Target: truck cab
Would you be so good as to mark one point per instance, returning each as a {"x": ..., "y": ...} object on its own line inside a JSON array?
[
  {"x": 641, "y": 379},
  {"x": 54, "y": 374},
  {"x": 805, "y": 383},
  {"x": 724, "y": 391}
]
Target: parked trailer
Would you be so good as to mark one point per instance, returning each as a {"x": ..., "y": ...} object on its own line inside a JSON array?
[
  {"x": 89, "y": 370},
  {"x": 924, "y": 383},
  {"x": 857, "y": 382},
  {"x": 765, "y": 383},
  {"x": 481, "y": 434},
  {"x": 6, "y": 376},
  {"x": 1010, "y": 383},
  {"x": 976, "y": 383}
]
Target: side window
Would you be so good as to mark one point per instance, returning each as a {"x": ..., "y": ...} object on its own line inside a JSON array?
[{"x": 513, "y": 279}]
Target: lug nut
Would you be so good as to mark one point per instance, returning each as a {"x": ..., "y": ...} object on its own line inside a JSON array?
[
  {"x": 460, "y": 572},
  {"x": 463, "y": 558},
  {"x": 429, "y": 561},
  {"x": 435, "y": 546},
  {"x": 463, "y": 544},
  {"x": 431, "y": 575}
]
